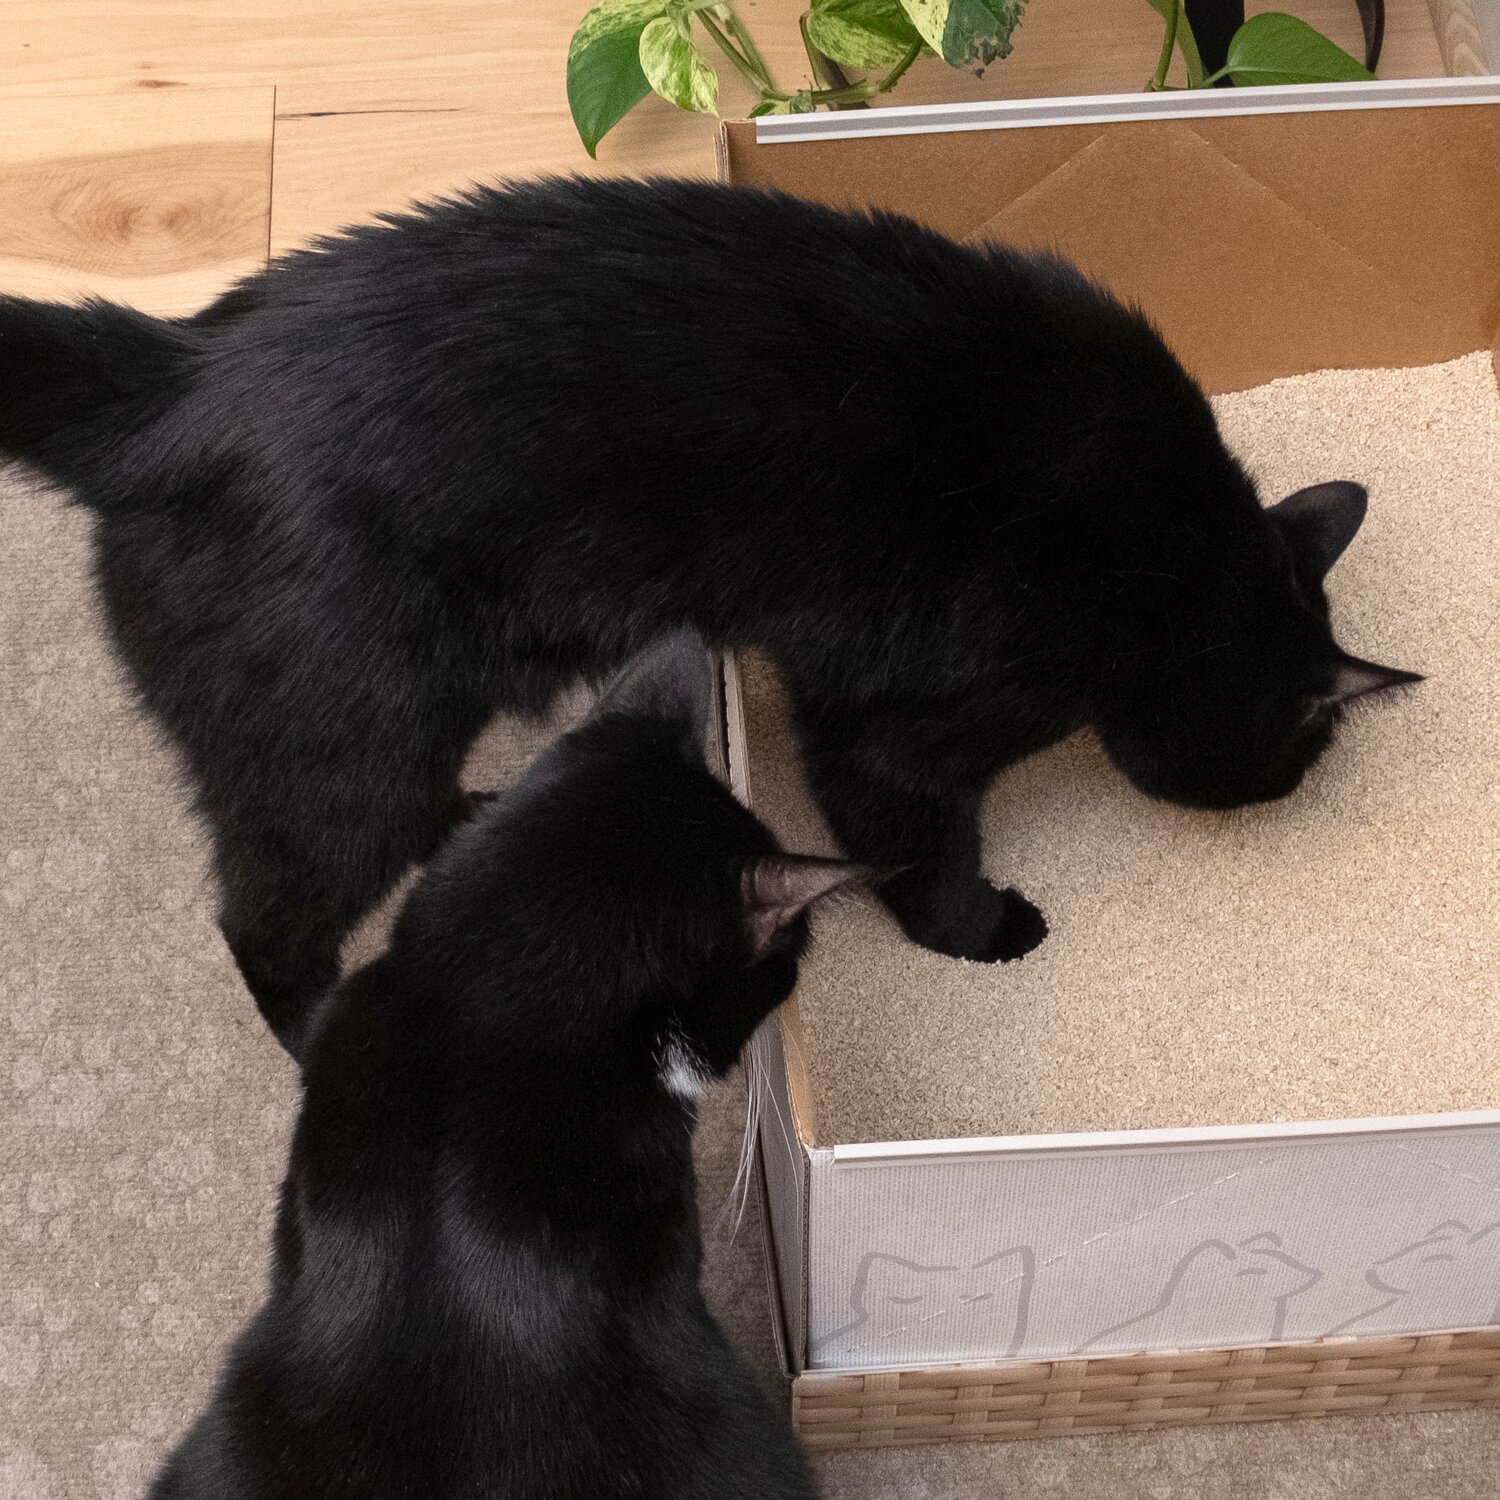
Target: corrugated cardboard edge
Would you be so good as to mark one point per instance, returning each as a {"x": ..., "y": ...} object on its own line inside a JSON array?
[
  {"x": 780, "y": 1333},
  {"x": 786, "y": 1173},
  {"x": 721, "y": 152},
  {"x": 726, "y": 736},
  {"x": 777, "y": 1072},
  {"x": 788, "y": 1019}
]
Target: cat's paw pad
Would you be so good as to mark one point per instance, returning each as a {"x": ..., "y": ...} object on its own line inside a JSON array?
[{"x": 1020, "y": 928}]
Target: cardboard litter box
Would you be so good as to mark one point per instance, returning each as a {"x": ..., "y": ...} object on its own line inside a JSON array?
[{"x": 1269, "y": 232}]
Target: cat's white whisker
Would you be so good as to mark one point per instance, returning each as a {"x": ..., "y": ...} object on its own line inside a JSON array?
[{"x": 738, "y": 1196}]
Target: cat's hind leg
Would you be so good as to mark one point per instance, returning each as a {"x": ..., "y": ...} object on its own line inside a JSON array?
[
  {"x": 286, "y": 942},
  {"x": 293, "y": 889}
]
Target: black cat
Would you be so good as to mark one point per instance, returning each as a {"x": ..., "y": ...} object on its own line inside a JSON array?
[
  {"x": 442, "y": 465},
  {"x": 485, "y": 1280}
]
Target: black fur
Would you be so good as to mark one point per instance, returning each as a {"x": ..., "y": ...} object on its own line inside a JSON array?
[
  {"x": 486, "y": 1268},
  {"x": 440, "y": 466}
]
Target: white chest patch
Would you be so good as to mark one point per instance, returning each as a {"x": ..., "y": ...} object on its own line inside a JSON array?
[{"x": 683, "y": 1073}]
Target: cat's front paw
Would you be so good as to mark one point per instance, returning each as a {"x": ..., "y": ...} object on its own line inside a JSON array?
[
  {"x": 1018, "y": 929},
  {"x": 982, "y": 923}
]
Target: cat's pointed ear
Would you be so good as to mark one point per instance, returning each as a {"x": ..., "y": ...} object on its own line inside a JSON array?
[
  {"x": 1353, "y": 678},
  {"x": 1320, "y": 521},
  {"x": 671, "y": 681},
  {"x": 777, "y": 888}
]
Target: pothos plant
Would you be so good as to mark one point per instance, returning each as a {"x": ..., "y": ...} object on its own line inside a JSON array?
[{"x": 626, "y": 49}]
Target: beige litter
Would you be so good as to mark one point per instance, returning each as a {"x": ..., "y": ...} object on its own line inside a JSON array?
[{"x": 1332, "y": 955}]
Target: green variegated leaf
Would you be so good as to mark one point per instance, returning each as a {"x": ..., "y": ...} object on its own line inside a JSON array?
[
  {"x": 605, "y": 81},
  {"x": 978, "y": 32},
  {"x": 676, "y": 69},
  {"x": 966, "y": 33},
  {"x": 1273, "y": 48},
  {"x": 861, "y": 33},
  {"x": 930, "y": 17}
]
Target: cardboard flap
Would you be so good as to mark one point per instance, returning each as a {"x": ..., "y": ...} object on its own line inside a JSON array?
[
  {"x": 1213, "y": 307},
  {"x": 1262, "y": 245}
]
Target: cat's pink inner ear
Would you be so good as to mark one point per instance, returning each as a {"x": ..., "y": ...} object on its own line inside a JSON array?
[
  {"x": 1353, "y": 678},
  {"x": 777, "y": 888}
]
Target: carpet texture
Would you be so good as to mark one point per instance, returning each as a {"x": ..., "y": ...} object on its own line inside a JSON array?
[
  {"x": 144, "y": 1115},
  {"x": 1330, "y": 955}
]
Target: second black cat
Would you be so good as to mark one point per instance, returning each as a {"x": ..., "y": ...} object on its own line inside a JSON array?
[{"x": 486, "y": 1269}]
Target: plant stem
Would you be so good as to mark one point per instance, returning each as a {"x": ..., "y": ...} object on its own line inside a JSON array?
[
  {"x": 758, "y": 80},
  {"x": 859, "y": 93},
  {"x": 856, "y": 93},
  {"x": 736, "y": 28},
  {"x": 828, "y": 77},
  {"x": 1169, "y": 42},
  {"x": 892, "y": 78},
  {"x": 1168, "y": 45},
  {"x": 752, "y": 68},
  {"x": 1187, "y": 44}
]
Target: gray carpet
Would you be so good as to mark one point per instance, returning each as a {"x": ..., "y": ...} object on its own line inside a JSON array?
[{"x": 144, "y": 1113}]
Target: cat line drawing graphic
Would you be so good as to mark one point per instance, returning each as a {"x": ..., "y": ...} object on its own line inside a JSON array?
[
  {"x": 891, "y": 1294},
  {"x": 1248, "y": 1284},
  {"x": 1450, "y": 1278}
]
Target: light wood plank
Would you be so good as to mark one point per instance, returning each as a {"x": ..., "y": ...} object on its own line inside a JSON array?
[
  {"x": 347, "y": 150},
  {"x": 123, "y": 174},
  {"x": 156, "y": 199}
]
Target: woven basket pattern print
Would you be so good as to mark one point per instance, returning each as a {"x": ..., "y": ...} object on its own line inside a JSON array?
[{"x": 1428, "y": 1372}]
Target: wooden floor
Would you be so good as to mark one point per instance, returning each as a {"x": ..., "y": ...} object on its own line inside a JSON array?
[{"x": 153, "y": 152}]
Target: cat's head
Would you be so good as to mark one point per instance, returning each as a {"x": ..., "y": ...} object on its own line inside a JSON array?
[
  {"x": 623, "y": 881},
  {"x": 1241, "y": 684}
]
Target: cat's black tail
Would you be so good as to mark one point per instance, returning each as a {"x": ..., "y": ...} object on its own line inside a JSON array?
[{"x": 77, "y": 381}]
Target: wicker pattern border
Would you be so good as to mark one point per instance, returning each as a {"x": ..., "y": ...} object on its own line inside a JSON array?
[{"x": 953, "y": 1403}]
